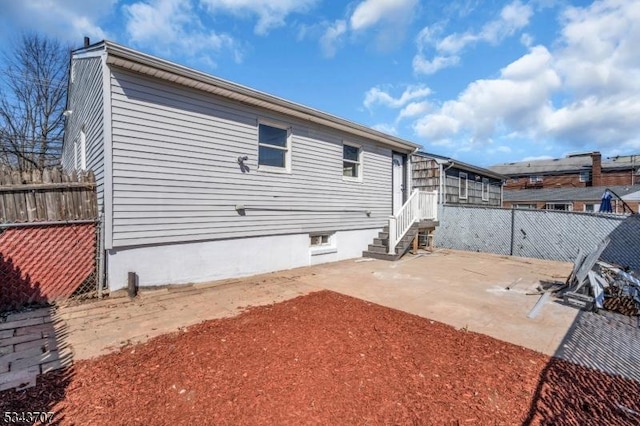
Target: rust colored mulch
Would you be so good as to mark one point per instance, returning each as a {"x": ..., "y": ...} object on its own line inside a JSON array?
[{"x": 326, "y": 358}]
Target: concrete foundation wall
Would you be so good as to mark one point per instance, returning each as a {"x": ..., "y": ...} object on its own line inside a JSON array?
[{"x": 214, "y": 260}]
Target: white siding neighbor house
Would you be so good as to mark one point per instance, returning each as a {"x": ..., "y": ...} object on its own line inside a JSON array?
[{"x": 202, "y": 179}]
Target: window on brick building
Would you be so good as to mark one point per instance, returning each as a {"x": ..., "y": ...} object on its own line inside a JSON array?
[
  {"x": 535, "y": 179},
  {"x": 567, "y": 207},
  {"x": 585, "y": 176}
]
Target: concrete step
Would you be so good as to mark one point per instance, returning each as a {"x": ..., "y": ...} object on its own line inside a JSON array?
[
  {"x": 381, "y": 242},
  {"x": 380, "y": 256},
  {"x": 377, "y": 249}
]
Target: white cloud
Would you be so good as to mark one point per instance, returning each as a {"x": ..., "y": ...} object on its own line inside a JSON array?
[
  {"x": 332, "y": 37},
  {"x": 376, "y": 95},
  {"x": 584, "y": 92},
  {"x": 518, "y": 99},
  {"x": 414, "y": 109},
  {"x": 271, "y": 13},
  {"x": 537, "y": 157},
  {"x": 371, "y": 12},
  {"x": 513, "y": 17},
  {"x": 389, "y": 129},
  {"x": 422, "y": 65},
  {"x": 599, "y": 63},
  {"x": 67, "y": 20},
  {"x": 173, "y": 27},
  {"x": 388, "y": 18}
]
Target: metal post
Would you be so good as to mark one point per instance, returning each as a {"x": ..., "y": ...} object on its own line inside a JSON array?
[
  {"x": 513, "y": 225},
  {"x": 101, "y": 255},
  {"x": 132, "y": 284}
]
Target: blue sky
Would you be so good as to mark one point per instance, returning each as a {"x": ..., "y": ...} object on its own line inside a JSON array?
[{"x": 484, "y": 81}]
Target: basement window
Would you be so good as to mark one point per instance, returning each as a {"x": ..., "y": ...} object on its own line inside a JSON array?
[
  {"x": 535, "y": 179},
  {"x": 322, "y": 243},
  {"x": 320, "y": 240}
]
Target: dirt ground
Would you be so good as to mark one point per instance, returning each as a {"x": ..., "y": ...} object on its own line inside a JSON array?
[{"x": 326, "y": 358}]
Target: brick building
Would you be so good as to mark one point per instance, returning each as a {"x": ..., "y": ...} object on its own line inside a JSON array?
[
  {"x": 574, "y": 199},
  {"x": 574, "y": 171}
]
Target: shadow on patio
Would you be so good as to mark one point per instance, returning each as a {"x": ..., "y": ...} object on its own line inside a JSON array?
[{"x": 594, "y": 376}]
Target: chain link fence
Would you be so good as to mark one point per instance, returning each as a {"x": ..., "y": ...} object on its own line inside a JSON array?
[
  {"x": 46, "y": 262},
  {"x": 543, "y": 234}
]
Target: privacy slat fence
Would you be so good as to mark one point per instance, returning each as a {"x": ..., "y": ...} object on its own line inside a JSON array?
[
  {"x": 46, "y": 196},
  {"x": 49, "y": 237}
]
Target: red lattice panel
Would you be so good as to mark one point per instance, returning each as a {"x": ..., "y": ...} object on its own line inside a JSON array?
[{"x": 44, "y": 263}]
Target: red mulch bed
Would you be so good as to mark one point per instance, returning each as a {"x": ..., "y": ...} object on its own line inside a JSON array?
[{"x": 326, "y": 358}]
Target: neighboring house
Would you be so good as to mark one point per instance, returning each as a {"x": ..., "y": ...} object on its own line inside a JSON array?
[
  {"x": 573, "y": 199},
  {"x": 463, "y": 183},
  {"x": 202, "y": 179},
  {"x": 573, "y": 171}
]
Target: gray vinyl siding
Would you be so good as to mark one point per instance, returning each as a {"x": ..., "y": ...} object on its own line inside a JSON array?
[
  {"x": 86, "y": 103},
  {"x": 176, "y": 176}
]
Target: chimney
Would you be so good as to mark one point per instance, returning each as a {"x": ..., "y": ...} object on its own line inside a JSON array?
[
  {"x": 596, "y": 169},
  {"x": 87, "y": 42}
]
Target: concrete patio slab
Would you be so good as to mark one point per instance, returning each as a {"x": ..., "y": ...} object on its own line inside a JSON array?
[
  {"x": 465, "y": 290},
  {"x": 462, "y": 289}
]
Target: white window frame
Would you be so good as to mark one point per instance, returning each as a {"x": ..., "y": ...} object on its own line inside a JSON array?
[
  {"x": 326, "y": 245},
  {"x": 287, "y": 148},
  {"x": 359, "y": 163},
  {"x": 83, "y": 150},
  {"x": 525, "y": 206},
  {"x": 461, "y": 176},
  {"x": 536, "y": 179},
  {"x": 485, "y": 189},
  {"x": 582, "y": 175}
]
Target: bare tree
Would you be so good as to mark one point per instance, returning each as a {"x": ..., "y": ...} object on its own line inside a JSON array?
[{"x": 33, "y": 93}]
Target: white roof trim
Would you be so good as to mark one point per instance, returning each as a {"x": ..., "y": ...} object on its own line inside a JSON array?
[{"x": 130, "y": 59}]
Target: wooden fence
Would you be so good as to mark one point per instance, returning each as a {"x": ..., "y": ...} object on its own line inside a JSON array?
[{"x": 48, "y": 195}]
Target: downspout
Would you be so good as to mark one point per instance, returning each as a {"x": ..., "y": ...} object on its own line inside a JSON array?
[
  {"x": 440, "y": 186},
  {"x": 502, "y": 194}
]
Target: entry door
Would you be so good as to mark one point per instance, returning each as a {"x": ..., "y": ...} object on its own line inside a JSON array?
[{"x": 398, "y": 181}]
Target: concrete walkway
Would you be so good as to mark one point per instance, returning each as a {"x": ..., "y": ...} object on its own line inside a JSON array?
[
  {"x": 463, "y": 289},
  {"x": 31, "y": 343}
]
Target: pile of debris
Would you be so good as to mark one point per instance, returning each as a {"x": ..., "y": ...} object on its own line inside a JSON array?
[{"x": 594, "y": 285}]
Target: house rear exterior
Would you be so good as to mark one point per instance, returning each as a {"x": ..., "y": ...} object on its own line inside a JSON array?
[{"x": 202, "y": 179}]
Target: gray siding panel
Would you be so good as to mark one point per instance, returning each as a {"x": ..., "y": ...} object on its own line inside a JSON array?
[
  {"x": 176, "y": 176},
  {"x": 86, "y": 102}
]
